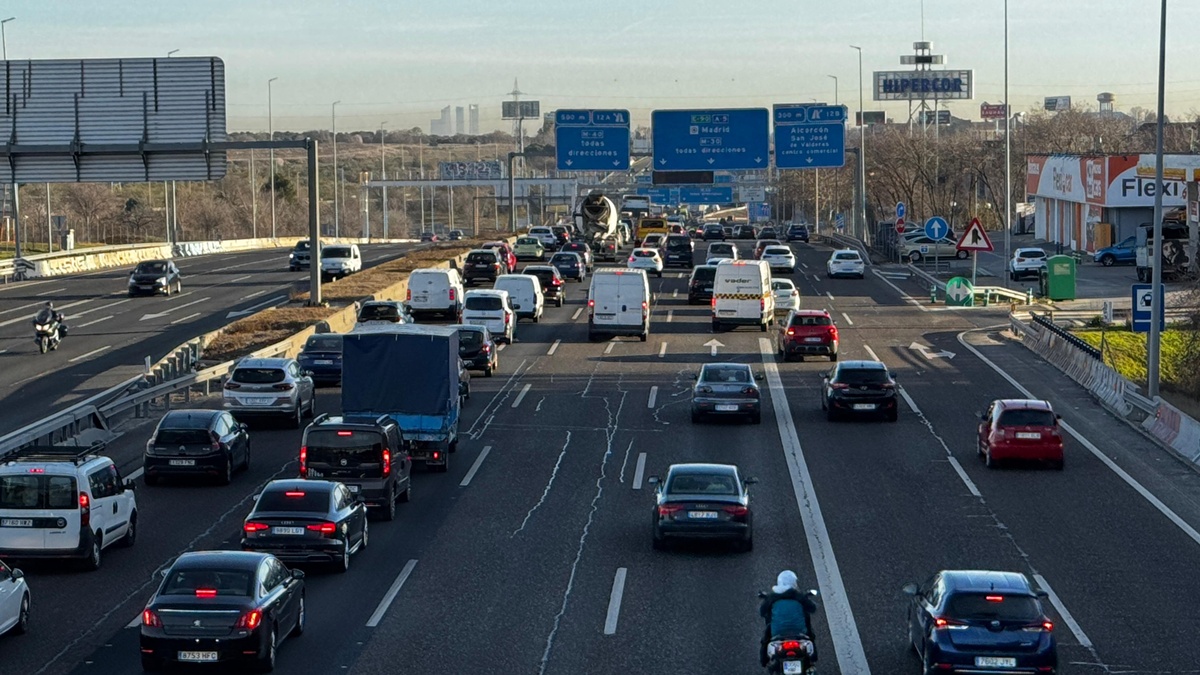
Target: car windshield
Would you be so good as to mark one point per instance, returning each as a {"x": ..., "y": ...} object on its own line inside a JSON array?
[
  {"x": 27, "y": 491},
  {"x": 258, "y": 375},
  {"x": 485, "y": 303},
  {"x": 725, "y": 375},
  {"x": 853, "y": 376},
  {"x": 776, "y": 250},
  {"x": 324, "y": 343},
  {"x": 469, "y": 338},
  {"x": 811, "y": 320},
  {"x": 336, "y": 252},
  {"x": 221, "y": 581},
  {"x": 151, "y": 268},
  {"x": 378, "y": 313},
  {"x": 481, "y": 257},
  {"x": 294, "y": 500},
  {"x": 703, "y": 483},
  {"x": 183, "y": 437},
  {"x": 1031, "y": 253},
  {"x": 1026, "y": 418},
  {"x": 992, "y": 607},
  {"x": 852, "y": 257}
]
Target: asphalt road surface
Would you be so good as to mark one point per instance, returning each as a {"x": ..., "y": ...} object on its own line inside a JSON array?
[{"x": 533, "y": 555}]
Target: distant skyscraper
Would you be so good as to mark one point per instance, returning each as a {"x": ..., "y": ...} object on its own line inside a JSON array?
[
  {"x": 443, "y": 126},
  {"x": 473, "y": 117},
  {"x": 460, "y": 124}
]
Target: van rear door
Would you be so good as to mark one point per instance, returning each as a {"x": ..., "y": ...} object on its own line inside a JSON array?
[
  {"x": 39, "y": 511},
  {"x": 634, "y": 303}
]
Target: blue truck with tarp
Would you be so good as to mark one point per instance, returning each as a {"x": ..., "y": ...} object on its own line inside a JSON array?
[{"x": 411, "y": 374}]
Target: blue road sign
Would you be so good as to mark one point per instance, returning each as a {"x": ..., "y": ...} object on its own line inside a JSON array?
[
  {"x": 901, "y": 211},
  {"x": 810, "y": 136},
  {"x": 662, "y": 196},
  {"x": 592, "y": 140},
  {"x": 936, "y": 228},
  {"x": 841, "y": 221},
  {"x": 645, "y": 179},
  {"x": 706, "y": 195},
  {"x": 723, "y": 178},
  {"x": 690, "y": 140},
  {"x": 1143, "y": 295},
  {"x": 759, "y": 211}
]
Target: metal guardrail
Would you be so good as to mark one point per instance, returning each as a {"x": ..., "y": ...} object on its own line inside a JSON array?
[
  {"x": 8, "y": 270},
  {"x": 1068, "y": 336}
]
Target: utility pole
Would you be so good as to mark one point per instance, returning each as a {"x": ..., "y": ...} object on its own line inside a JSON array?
[
  {"x": 16, "y": 188},
  {"x": 1007, "y": 155},
  {"x": 1154, "y": 342},
  {"x": 337, "y": 212},
  {"x": 271, "y": 131},
  {"x": 861, "y": 206},
  {"x": 383, "y": 174}
]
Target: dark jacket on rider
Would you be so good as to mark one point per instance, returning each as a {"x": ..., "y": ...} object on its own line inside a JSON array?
[{"x": 786, "y": 613}]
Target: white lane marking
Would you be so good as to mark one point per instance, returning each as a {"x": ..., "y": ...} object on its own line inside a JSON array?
[
  {"x": 847, "y": 318},
  {"x": 255, "y": 294},
  {"x": 91, "y": 353},
  {"x": 653, "y": 397},
  {"x": 238, "y": 279},
  {"x": 136, "y": 473},
  {"x": 521, "y": 396},
  {"x": 76, "y": 315},
  {"x": 189, "y": 316},
  {"x": 662, "y": 351},
  {"x": 501, "y": 347},
  {"x": 57, "y": 290},
  {"x": 829, "y": 294},
  {"x": 640, "y": 471},
  {"x": 553, "y": 348},
  {"x": 386, "y": 602},
  {"x": 577, "y": 313},
  {"x": 475, "y": 467},
  {"x": 614, "y": 602},
  {"x": 816, "y": 278},
  {"x": 670, "y": 315},
  {"x": 103, "y": 318},
  {"x": 871, "y": 352},
  {"x": 847, "y": 643},
  {"x": 609, "y": 348},
  {"x": 908, "y": 298},
  {"x": 958, "y": 467},
  {"x": 1062, "y": 611},
  {"x": 675, "y": 293},
  {"x": 804, "y": 265},
  {"x": 1129, "y": 480},
  {"x": 37, "y": 304}
]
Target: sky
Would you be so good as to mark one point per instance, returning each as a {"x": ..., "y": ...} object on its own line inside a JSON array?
[{"x": 401, "y": 61}]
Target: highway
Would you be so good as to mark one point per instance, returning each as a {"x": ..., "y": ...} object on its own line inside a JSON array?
[
  {"x": 111, "y": 334},
  {"x": 532, "y": 554}
]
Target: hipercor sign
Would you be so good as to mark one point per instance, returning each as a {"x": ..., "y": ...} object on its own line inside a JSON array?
[{"x": 920, "y": 85}]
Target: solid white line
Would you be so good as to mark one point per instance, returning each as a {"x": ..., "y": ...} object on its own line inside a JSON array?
[
  {"x": 662, "y": 351},
  {"x": 675, "y": 293},
  {"x": 255, "y": 294},
  {"x": 1062, "y": 611},
  {"x": 189, "y": 316},
  {"x": 91, "y": 353},
  {"x": 85, "y": 325},
  {"x": 829, "y": 294},
  {"x": 847, "y": 644},
  {"x": 653, "y": 396},
  {"x": 475, "y": 467},
  {"x": 904, "y": 295},
  {"x": 578, "y": 311},
  {"x": 640, "y": 471},
  {"x": 871, "y": 352},
  {"x": 614, "y": 602},
  {"x": 609, "y": 348},
  {"x": 38, "y": 295},
  {"x": 521, "y": 396},
  {"x": 136, "y": 473},
  {"x": 553, "y": 348},
  {"x": 847, "y": 317},
  {"x": 391, "y": 594},
  {"x": 670, "y": 315}
]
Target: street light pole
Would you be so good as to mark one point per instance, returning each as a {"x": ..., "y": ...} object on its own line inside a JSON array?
[
  {"x": 837, "y": 176},
  {"x": 271, "y": 132},
  {"x": 861, "y": 207},
  {"x": 16, "y": 199},
  {"x": 1154, "y": 343},
  {"x": 3, "y": 38},
  {"x": 1007, "y": 155},
  {"x": 173, "y": 225},
  {"x": 383, "y": 173},
  {"x": 337, "y": 214}
]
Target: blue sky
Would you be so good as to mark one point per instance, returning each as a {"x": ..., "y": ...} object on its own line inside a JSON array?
[{"x": 402, "y": 61}]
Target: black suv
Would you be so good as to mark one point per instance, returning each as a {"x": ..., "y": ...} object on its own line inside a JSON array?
[
  {"x": 477, "y": 349},
  {"x": 767, "y": 232},
  {"x": 301, "y": 256},
  {"x": 797, "y": 233},
  {"x": 482, "y": 263},
  {"x": 551, "y": 280},
  {"x": 714, "y": 231},
  {"x": 745, "y": 232},
  {"x": 859, "y": 387},
  {"x": 367, "y": 455},
  {"x": 700, "y": 286},
  {"x": 679, "y": 248}
]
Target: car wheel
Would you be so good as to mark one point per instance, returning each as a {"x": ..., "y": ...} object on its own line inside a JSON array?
[
  {"x": 658, "y": 274},
  {"x": 130, "y": 537},
  {"x": 406, "y": 496},
  {"x": 989, "y": 461},
  {"x": 367, "y": 532},
  {"x": 150, "y": 479},
  {"x": 92, "y": 561},
  {"x": 830, "y": 413},
  {"x": 444, "y": 466},
  {"x": 893, "y": 415},
  {"x": 961, "y": 255},
  {"x": 226, "y": 475},
  {"x": 914, "y": 257},
  {"x": 167, "y": 290},
  {"x": 927, "y": 666},
  {"x": 716, "y": 326},
  {"x": 389, "y": 510},
  {"x": 178, "y": 286},
  {"x": 487, "y": 372},
  {"x": 833, "y": 356},
  {"x": 1057, "y": 465},
  {"x": 696, "y": 417},
  {"x": 657, "y": 541},
  {"x": 762, "y": 327},
  {"x": 343, "y": 563},
  {"x": 643, "y": 336},
  {"x": 266, "y": 663},
  {"x": 246, "y": 460},
  {"x": 747, "y": 545},
  {"x": 756, "y": 418},
  {"x": 1108, "y": 260},
  {"x": 151, "y": 664},
  {"x": 298, "y": 417},
  {"x": 301, "y": 619},
  {"x": 22, "y": 625},
  {"x": 560, "y": 301}
]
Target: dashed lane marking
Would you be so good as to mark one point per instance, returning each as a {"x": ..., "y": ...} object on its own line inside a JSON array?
[
  {"x": 653, "y": 397},
  {"x": 521, "y": 396},
  {"x": 847, "y": 318},
  {"x": 614, "y": 602},
  {"x": 386, "y": 602},
  {"x": 553, "y": 348},
  {"x": 475, "y": 467}
]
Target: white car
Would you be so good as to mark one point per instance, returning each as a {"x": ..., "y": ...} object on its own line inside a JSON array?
[
  {"x": 646, "y": 259},
  {"x": 786, "y": 295},
  {"x": 721, "y": 250},
  {"x": 493, "y": 310},
  {"x": 654, "y": 241},
  {"x": 340, "y": 260},
  {"x": 780, "y": 258},
  {"x": 845, "y": 263},
  {"x": 1026, "y": 262},
  {"x": 14, "y": 601},
  {"x": 544, "y": 235}
]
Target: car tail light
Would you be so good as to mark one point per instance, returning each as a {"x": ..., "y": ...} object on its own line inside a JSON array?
[
  {"x": 791, "y": 331},
  {"x": 704, "y": 390},
  {"x": 150, "y": 618},
  {"x": 252, "y": 527},
  {"x": 437, "y": 455},
  {"x": 994, "y": 598},
  {"x": 387, "y": 463},
  {"x": 507, "y": 319},
  {"x": 232, "y": 385},
  {"x": 949, "y": 624},
  {"x": 832, "y": 331},
  {"x": 250, "y": 620},
  {"x": 304, "y": 461},
  {"x": 887, "y": 385},
  {"x": 999, "y": 432},
  {"x": 85, "y": 508},
  {"x": 667, "y": 510},
  {"x": 408, "y": 296},
  {"x": 839, "y": 385},
  {"x": 591, "y": 303},
  {"x": 215, "y": 443},
  {"x": 325, "y": 529},
  {"x": 487, "y": 349},
  {"x": 496, "y": 266},
  {"x": 453, "y": 294},
  {"x": 206, "y": 592},
  {"x": 748, "y": 390},
  {"x": 556, "y": 281},
  {"x": 791, "y": 647},
  {"x": 293, "y": 493},
  {"x": 713, "y": 302},
  {"x": 737, "y": 511},
  {"x": 645, "y": 305},
  {"x": 283, "y": 386}
]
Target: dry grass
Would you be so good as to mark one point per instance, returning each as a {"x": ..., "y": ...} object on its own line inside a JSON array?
[{"x": 262, "y": 329}]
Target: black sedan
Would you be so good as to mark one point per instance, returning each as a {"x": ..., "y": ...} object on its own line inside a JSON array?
[
  {"x": 196, "y": 443},
  {"x": 454, "y": 235},
  {"x": 714, "y": 231},
  {"x": 859, "y": 387},
  {"x": 322, "y": 356},
  {"x": 726, "y": 389},
  {"x": 428, "y": 237},
  {"x": 584, "y": 251},
  {"x": 570, "y": 265},
  {"x": 745, "y": 232},
  {"x": 152, "y": 277},
  {"x": 702, "y": 501},
  {"x": 477, "y": 349},
  {"x": 307, "y": 521},
  {"x": 222, "y": 607},
  {"x": 551, "y": 280}
]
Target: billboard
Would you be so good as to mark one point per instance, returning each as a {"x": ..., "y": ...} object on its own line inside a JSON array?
[
  {"x": 871, "y": 117},
  {"x": 511, "y": 110},
  {"x": 922, "y": 85},
  {"x": 1058, "y": 103},
  {"x": 993, "y": 111}
]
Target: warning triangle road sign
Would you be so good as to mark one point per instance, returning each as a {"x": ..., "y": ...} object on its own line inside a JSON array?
[{"x": 975, "y": 238}]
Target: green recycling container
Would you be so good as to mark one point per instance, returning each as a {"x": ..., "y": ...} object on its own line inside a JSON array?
[{"x": 1057, "y": 278}]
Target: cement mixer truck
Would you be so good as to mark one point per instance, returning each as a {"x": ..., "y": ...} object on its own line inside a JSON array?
[{"x": 596, "y": 217}]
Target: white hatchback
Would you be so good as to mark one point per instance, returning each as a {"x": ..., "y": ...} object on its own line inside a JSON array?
[
  {"x": 493, "y": 310},
  {"x": 780, "y": 258},
  {"x": 721, "y": 251},
  {"x": 14, "y": 601},
  {"x": 646, "y": 259},
  {"x": 786, "y": 295},
  {"x": 845, "y": 263}
]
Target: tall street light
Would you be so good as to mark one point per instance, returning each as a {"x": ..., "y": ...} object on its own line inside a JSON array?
[
  {"x": 271, "y": 131},
  {"x": 16, "y": 200},
  {"x": 861, "y": 207},
  {"x": 173, "y": 51},
  {"x": 837, "y": 182},
  {"x": 1007, "y": 153},
  {"x": 1154, "y": 343},
  {"x": 3, "y": 39},
  {"x": 336, "y": 209},
  {"x": 383, "y": 174},
  {"x": 173, "y": 227}
]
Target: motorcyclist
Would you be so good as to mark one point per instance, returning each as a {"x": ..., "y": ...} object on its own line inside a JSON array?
[
  {"x": 787, "y": 612},
  {"x": 48, "y": 314}
]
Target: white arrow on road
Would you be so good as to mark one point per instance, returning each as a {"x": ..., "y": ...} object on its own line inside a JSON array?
[
  {"x": 928, "y": 353},
  {"x": 159, "y": 315},
  {"x": 251, "y": 310},
  {"x": 714, "y": 344}
]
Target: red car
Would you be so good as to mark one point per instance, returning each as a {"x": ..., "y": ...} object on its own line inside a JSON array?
[
  {"x": 507, "y": 256},
  {"x": 1020, "y": 429},
  {"x": 807, "y": 331}
]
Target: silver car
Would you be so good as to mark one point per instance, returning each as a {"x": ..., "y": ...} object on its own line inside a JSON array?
[{"x": 269, "y": 388}]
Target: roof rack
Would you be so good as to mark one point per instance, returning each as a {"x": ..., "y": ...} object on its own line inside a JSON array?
[{"x": 76, "y": 454}]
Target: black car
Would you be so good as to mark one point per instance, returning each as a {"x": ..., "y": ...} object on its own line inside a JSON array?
[
  {"x": 477, "y": 349},
  {"x": 222, "y": 607},
  {"x": 322, "y": 356},
  {"x": 152, "y": 277},
  {"x": 726, "y": 390},
  {"x": 552, "y": 282},
  {"x": 678, "y": 250},
  {"x": 482, "y": 264},
  {"x": 454, "y": 235},
  {"x": 700, "y": 285},
  {"x": 570, "y": 265},
  {"x": 714, "y": 231},
  {"x": 584, "y": 251},
  {"x": 768, "y": 233},
  {"x": 979, "y": 621},
  {"x": 196, "y": 443},
  {"x": 702, "y": 501},
  {"x": 391, "y": 311},
  {"x": 859, "y": 387},
  {"x": 301, "y": 256},
  {"x": 745, "y": 232},
  {"x": 562, "y": 234},
  {"x": 797, "y": 233},
  {"x": 428, "y": 236},
  {"x": 367, "y": 455},
  {"x": 307, "y": 521}
]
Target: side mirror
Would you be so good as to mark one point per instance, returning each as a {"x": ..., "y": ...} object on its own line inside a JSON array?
[
  {"x": 243, "y": 426},
  {"x": 1057, "y": 416},
  {"x": 653, "y": 480},
  {"x": 750, "y": 481},
  {"x": 17, "y": 574},
  {"x": 297, "y": 574},
  {"x": 130, "y": 485},
  {"x": 910, "y": 589},
  {"x": 758, "y": 376}
]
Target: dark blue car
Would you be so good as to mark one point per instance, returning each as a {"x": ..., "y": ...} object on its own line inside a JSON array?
[
  {"x": 1124, "y": 253},
  {"x": 322, "y": 355},
  {"x": 797, "y": 233},
  {"x": 975, "y": 621}
]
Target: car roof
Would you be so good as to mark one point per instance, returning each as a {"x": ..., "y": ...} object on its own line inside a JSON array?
[
  {"x": 646, "y": 248},
  {"x": 861, "y": 365},
  {"x": 468, "y": 328},
  {"x": 1030, "y": 248},
  {"x": 188, "y": 419},
  {"x": 813, "y": 312},
  {"x": 846, "y": 250},
  {"x": 726, "y": 364},
  {"x": 262, "y": 362},
  {"x": 482, "y": 250},
  {"x": 1023, "y": 404},
  {"x": 300, "y": 484},
  {"x": 540, "y": 268},
  {"x": 487, "y": 292},
  {"x": 391, "y": 303},
  {"x": 703, "y": 467},
  {"x": 247, "y": 560},
  {"x": 983, "y": 581}
]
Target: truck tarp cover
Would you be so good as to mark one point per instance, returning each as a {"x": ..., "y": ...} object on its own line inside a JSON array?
[{"x": 412, "y": 370}]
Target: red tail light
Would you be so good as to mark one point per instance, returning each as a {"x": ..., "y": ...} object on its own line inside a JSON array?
[
  {"x": 839, "y": 385},
  {"x": 387, "y": 462},
  {"x": 631, "y": 258},
  {"x": 507, "y": 319},
  {"x": 948, "y": 623},
  {"x": 206, "y": 592},
  {"x": 150, "y": 618},
  {"x": 216, "y": 441},
  {"x": 408, "y": 295},
  {"x": 714, "y": 301},
  {"x": 645, "y": 305},
  {"x": 790, "y": 646},
  {"x": 556, "y": 281},
  {"x": 304, "y": 461},
  {"x": 496, "y": 266},
  {"x": 252, "y": 527},
  {"x": 668, "y": 510},
  {"x": 283, "y": 386},
  {"x": 85, "y": 508},
  {"x": 250, "y": 620},
  {"x": 487, "y": 349},
  {"x": 437, "y": 455},
  {"x": 791, "y": 331},
  {"x": 737, "y": 511},
  {"x": 453, "y": 294},
  {"x": 762, "y": 304},
  {"x": 748, "y": 390},
  {"x": 232, "y": 385},
  {"x": 325, "y": 529},
  {"x": 591, "y": 303}
]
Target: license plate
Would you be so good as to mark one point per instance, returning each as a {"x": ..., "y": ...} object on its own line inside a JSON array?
[
  {"x": 996, "y": 661},
  {"x": 289, "y": 531},
  {"x": 324, "y": 362},
  {"x": 728, "y": 311},
  {"x": 727, "y": 407},
  {"x": 1029, "y": 435},
  {"x": 482, "y": 266},
  {"x": 793, "y": 668},
  {"x": 477, "y": 322},
  {"x": 16, "y": 522},
  {"x": 260, "y": 400},
  {"x": 198, "y": 657},
  {"x": 864, "y": 406},
  {"x": 353, "y": 488},
  {"x": 812, "y": 339},
  {"x": 420, "y": 298},
  {"x": 183, "y": 462},
  {"x": 702, "y": 515}
]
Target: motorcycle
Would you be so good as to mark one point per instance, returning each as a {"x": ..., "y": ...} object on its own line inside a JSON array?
[
  {"x": 48, "y": 330},
  {"x": 792, "y": 654}
]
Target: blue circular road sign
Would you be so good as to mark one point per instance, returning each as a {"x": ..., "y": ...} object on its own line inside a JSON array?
[
  {"x": 900, "y": 210},
  {"x": 936, "y": 228}
]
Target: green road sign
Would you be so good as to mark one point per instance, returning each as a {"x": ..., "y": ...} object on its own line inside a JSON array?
[{"x": 960, "y": 292}]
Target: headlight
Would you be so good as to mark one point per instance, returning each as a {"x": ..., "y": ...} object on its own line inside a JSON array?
[
  {"x": 131, "y": 281},
  {"x": 161, "y": 281},
  {"x": 42, "y": 327}
]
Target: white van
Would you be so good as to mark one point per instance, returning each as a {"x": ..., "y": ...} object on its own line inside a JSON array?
[
  {"x": 435, "y": 291},
  {"x": 340, "y": 260},
  {"x": 491, "y": 309},
  {"x": 742, "y": 294},
  {"x": 525, "y": 294},
  {"x": 619, "y": 303}
]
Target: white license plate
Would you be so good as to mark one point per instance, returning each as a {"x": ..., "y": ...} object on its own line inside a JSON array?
[
  {"x": 996, "y": 661},
  {"x": 727, "y": 407},
  {"x": 793, "y": 668},
  {"x": 16, "y": 522},
  {"x": 182, "y": 462},
  {"x": 324, "y": 362},
  {"x": 1032, "y": 435},
  {"x": 703, "y": 515},
  {"x": 812, "y": 339},
  {"x": 353, "y": 488},
  {"x": 289, "y": 531},
  {"x": 200, "y": 657},
  {"x": 477, "y": 322},
  {"x": 421, "y": 298},
  {"x": 864, "y": 406},
  {"x": 260, "y": 400},
  {"x": 728, "y": 311}
]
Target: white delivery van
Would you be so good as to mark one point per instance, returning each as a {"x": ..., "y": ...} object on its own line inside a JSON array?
[
  {"x": 491, "y": 309},
  {"x": 742, "y": 294},
  {"x": 619, "y": 303},
  {"x": 340, "y": 260},
  {"x": 524, "y": 293},
  {"x": 435, "y": 291}
]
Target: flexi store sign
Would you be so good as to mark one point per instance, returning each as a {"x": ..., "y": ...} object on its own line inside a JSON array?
[{"x": 1114, "y": 180}]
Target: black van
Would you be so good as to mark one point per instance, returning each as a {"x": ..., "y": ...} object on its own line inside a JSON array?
[
  {"x": 679, "y": 250},
  {"x": 366, "y": 455},
  {"x": 700, "y": 286}
]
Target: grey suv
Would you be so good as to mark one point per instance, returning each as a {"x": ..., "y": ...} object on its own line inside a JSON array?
[
  {"x": 367, "y": 455},
  {"x": 269, "y": 388}
]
